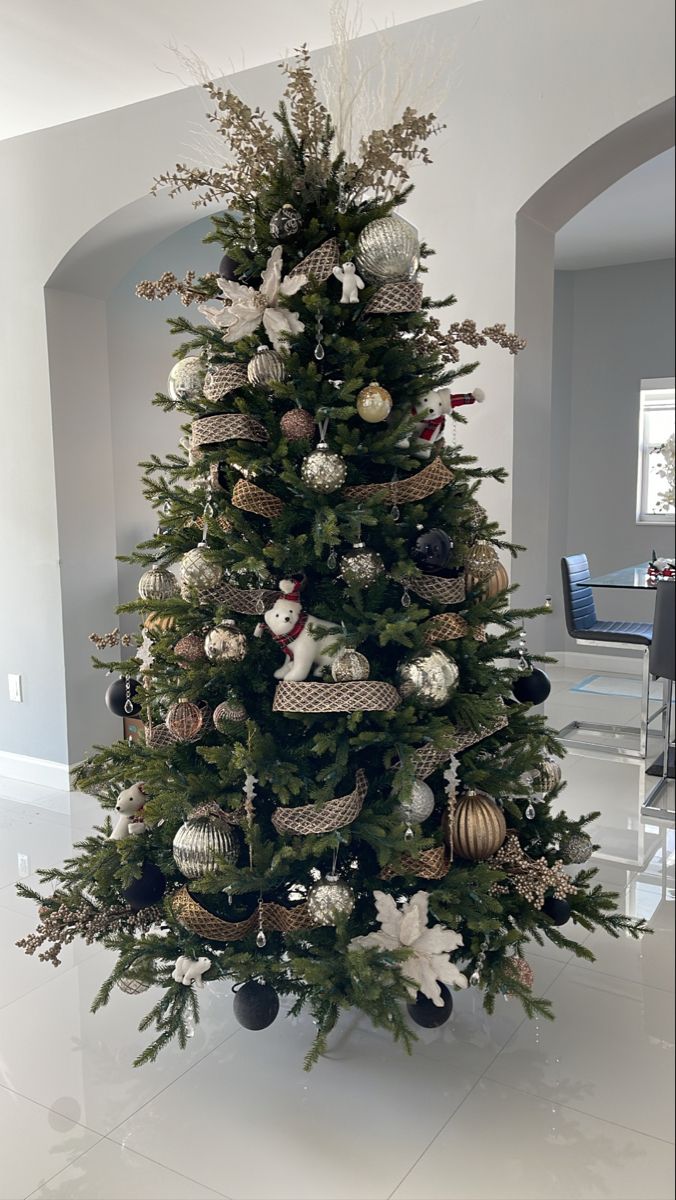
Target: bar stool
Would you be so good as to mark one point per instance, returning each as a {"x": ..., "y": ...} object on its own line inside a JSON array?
[
  {"x": 585, "y": 627},
  {"x": 663, "y": 666}
]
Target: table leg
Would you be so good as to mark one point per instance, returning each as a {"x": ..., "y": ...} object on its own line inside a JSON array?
[{"x": 645, "y": 703}]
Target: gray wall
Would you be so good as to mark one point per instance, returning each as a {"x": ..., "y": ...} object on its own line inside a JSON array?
[{"x": 612, "y": 328}]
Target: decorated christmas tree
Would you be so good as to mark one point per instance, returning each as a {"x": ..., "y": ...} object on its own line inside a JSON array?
[{"x": 344, "y": 795}]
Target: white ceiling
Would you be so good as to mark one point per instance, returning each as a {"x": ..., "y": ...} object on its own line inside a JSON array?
[
  {"x": 633, "y": 221},
  {"x": 65, "y": 59}
]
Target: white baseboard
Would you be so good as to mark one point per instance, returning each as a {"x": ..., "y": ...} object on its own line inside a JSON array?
[
  {"x": 587, "y": 660},
  {"x": 42, "y": 771}
]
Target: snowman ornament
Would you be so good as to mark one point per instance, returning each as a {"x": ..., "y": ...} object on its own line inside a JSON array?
[
  {"x": 352, "y": 283},
  {"x": 309, "y": 644}
]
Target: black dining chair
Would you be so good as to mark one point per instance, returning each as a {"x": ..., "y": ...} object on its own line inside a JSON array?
[
  {"x": 663, "y": 666},
  {"x": 585, "y": 627}
]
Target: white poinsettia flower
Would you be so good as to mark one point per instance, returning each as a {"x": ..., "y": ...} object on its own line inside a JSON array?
[
  {"x": 428, "y": 964},
  {"x": 244, "y": 309}
]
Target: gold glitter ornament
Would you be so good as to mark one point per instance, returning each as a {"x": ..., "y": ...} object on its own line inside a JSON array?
[
  {"x": 190, "y": 649},
  {"x": 576, "y": 848},
  {"x": 329, "y": 900},
  {"x": 225, "y": 643},
  {"x": 349, "y": 666},
  {"x": 157, "y": 583},
  {"x": 388, "y": 250},
  {"x": 201, "y": 844},
  {"x": 323, "y": 471},
  {"x": 185, "y": 379},
  {"x": 429, "y": 678},
  {"x": 479, "y": 826},
  {"x": 374, "y": 403},
  {"x": 267, "y": 366},
  {"x": 481, "y": 561}
]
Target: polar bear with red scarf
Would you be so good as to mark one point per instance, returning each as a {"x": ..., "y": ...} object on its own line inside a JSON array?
[
  {"x": 307, "y": 641},
  {"x": 431, "y": 412}
]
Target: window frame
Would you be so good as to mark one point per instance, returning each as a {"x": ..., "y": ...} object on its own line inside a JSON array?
[{"x": 649, "y": 401}]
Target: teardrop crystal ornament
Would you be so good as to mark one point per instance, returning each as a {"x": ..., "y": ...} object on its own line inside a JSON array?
[
  {"x": 474, "y": 979},
  {"x": 332, "y": 561},
  {"x": 405, "y": 599},
  {"x": 253, "y": 245},
  {"x": 261, "y": 939},
  {"x": 319, "y": 352},
  {"x": 530, "y": 813}
]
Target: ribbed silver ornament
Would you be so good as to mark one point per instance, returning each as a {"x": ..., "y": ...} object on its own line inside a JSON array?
[
  {"x": 157, "y": 583},
  {"x": 388, "y": 250},
  {"x": 266, "y": 366},
  {"x": 202, "y": 844}
]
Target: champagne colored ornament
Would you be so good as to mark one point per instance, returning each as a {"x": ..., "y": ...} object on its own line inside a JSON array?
[
  {"x": 159, "y": 622},
  {"x": 329, "y": 900},
  {"x": 374, "y": 403},
  {"x": 388, "y": 250},
  {"x": 297, "y": 424},
  {"x": 190, "y": 649},
  {"x": 285, "y": 223},
  {"x": 185, "y": 379},
  {"x": 419, "y": 805},
  {"x": 548, "y": 775},
  {"x": 267, "y": 366},
  {"x": 349, "y": 666},
  {"x": 576, "y": 848},
  {"x": 157, "y": 583},
  {"x": 187, "y": 720},
  {"x": 228, "y": 712},
  {"x": 323, "y": 471},
  {"x": 497, "y": 582},
  {"x": 202, "y": 843},
  {"x": 429, "y": 678},
  {"x": 225, "y": 643},
  {"x": 481, "y": 562},
  {"x": 361, "y": 567},
  {"x": 199, "y": 572},
  {"x": 479, "y": 826}
]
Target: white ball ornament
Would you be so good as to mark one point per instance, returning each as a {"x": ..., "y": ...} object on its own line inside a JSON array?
[
  {"x": 329, "y": 900},
  {"x": 185, "y": 379},
  {"x": 419, "y": 805},
  {"x": 157, "y": 583},
  {"x": 323, "y": 471}
]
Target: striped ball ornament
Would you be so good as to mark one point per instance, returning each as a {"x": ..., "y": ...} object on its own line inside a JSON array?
[{"x": 479, "y": 827}]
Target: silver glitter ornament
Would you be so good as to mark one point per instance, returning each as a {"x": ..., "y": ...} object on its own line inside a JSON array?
[
  {"x": 227, "y": 712},
  {"x": 225, "y": 643},
  {"x": 388, "y": 250},
  {"x": 429, "y": 678},
  {"x": 576, "y": 848},
  {"x": 323, "y": 471},
  {"x": 349, "y": 666},
  {"x": 329, "y": 900},
  {"x": 360, "y": 566},
  {"x": 201, "y": 844},
  {"x": 285, "y": 222},
  {"x": 185, "y": 379},
  {"x": 157, "y": 583},
  {"x": 267, "y": 366},
  {"x": 198, "y": 571},
  {"x": 419, "y": 805}
]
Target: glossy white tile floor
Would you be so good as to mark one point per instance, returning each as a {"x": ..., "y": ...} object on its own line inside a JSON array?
[{"x": 485, "y": 1109}]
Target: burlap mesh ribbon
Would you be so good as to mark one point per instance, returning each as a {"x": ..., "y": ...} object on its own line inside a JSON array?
[
  {"x": 223, "y": 378},
  {"x": 251, "y": 602},
  {"x": 399, "y": 297},
  {"x": 430, "y": 864},
  {"x": 362, "y": 696},
  {"x": 253, "y": 499},
  {"x": 322, "y": 818},
  {"x": 224, "y": 427},
  {"x": 427, "y": 758},
  {"x": 319, "y": 263},
  {"x": 432, "y": 478},
  {"x": 268, "y": 916},
  {"x": 436, "y": 588},
  {"x": 445, "y": 627}
]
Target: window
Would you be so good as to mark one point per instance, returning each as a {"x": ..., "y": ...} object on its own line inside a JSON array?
[{"x": 655, "y": 490}]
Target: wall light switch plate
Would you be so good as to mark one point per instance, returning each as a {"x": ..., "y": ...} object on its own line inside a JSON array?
[{"x": 15, "y": 689}]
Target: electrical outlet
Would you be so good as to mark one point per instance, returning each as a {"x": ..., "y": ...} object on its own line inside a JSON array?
[{"x": 15, "y": 689}]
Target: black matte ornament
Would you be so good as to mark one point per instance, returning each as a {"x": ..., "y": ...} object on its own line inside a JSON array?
[
  {"x": 148, "y": 889},
  {"x": 256, "y": 1005},
  {"x": 431, "y": 551},
  {"x": 532, "y": 688},
  {"x": 116, "y": 698},
  {"x": 429, "y": 1015},
  {"x": 558, "y": 911},
  {"x": 227, "y": 268}
]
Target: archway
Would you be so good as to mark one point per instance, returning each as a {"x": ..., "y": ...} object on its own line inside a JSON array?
[{"x": 547, "y": 210}]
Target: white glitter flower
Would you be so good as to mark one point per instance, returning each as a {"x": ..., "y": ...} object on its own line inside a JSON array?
[
  {"x": 248, "y": 307},
  {"x": 429, "y": 963}
]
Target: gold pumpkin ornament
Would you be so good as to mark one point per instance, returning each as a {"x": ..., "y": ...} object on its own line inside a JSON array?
[{"x": 479, "y": 827}]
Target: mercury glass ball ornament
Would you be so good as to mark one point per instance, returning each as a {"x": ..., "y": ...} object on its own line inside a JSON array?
[
  {"x": 388, "y": 250},
  {"x": 266, "y": 366},
  {"x": 374, "y": 403},
  {"x": 185, "y": 379},
  {"x": 157, "y": 583},
  {"x": 361, "y": 567},
  {"x": 429, "y": 678},
  {"x": 202, "y": 844},
  {"x": 349, "y": 666},
  {"x": 199, "y": 572},
  {"x": 548, "y": 775},
  {"x": 481, "y": 561},
  {"x": 228, "y": 712},
  {"x": 329, "y": 900},
  {"x": 323, "y": 471},
  {"x": 431, "y": 551},
  {"x": 225, "y": 643},
  {"x": 297, "y": 424},
  {"x": 419, "y": 805},
  {"x": 285, "y": 222},
  {"x": 576, "y": 848}
]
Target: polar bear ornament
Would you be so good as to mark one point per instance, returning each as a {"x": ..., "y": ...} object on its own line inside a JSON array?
[
  {"x": 309, "y": 644},
  {"x": 190, "y": 970},
  {"x": 130, "y": 804}
]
